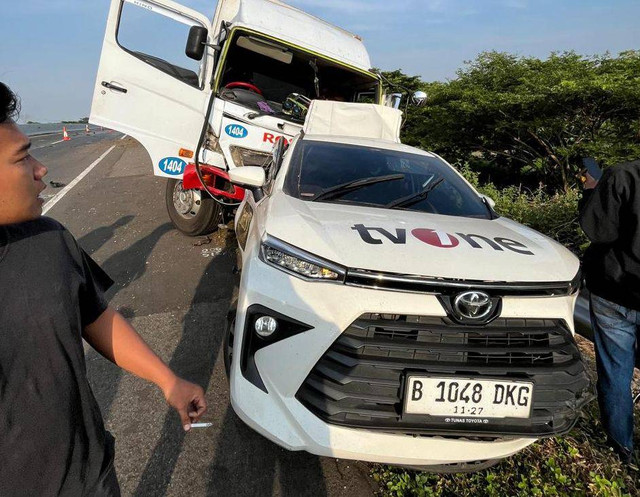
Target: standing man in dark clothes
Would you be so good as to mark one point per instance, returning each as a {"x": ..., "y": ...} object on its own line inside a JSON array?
[
  {"x": 52, "y": 438},
  {"x": 610, "y": 216}
]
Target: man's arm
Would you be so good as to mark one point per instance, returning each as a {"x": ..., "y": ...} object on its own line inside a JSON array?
[
  {"x": 600, "y": 209},
  {"x": 113, "y": 337}
]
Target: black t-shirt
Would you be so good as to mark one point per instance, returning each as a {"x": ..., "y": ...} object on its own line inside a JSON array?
[
  {"x": 52, "y": 438},
  {"x": 610, "y": 217}
]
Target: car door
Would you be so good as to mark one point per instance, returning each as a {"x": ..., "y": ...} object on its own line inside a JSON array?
[{"x": 146, "y": 87}]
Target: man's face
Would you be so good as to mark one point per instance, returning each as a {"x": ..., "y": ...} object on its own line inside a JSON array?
[{"x": 20, "y": 177}]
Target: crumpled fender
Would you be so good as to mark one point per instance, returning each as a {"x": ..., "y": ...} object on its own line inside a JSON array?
[{"x": 216, "y": 179}]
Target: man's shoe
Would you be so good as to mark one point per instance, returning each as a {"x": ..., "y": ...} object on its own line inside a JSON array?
[{"x": 625, "y": 455}]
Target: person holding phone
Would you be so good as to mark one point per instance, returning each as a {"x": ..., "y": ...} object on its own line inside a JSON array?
[
  {"x": 52, "y": 296},
  {"x": 609, "y": 214}
]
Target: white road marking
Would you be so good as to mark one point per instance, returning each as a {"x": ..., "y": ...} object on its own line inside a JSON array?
[
  {"x": 45, "y": 145},
  {"x": 123, "y": 137},
  {"x": 77, "y": 180}
]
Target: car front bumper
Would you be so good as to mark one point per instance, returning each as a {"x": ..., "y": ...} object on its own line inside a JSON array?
[{"x": 334, "y": 426}]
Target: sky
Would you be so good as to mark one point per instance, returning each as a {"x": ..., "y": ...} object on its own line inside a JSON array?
[{"x": 50, "y": 49}]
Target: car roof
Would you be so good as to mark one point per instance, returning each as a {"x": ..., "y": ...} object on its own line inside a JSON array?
[
  {"x": 367, "y": 142},
  {"x": 359, "y": 120}
]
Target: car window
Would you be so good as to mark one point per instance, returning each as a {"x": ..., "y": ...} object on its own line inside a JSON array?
[{"x": 319, "y": 166}]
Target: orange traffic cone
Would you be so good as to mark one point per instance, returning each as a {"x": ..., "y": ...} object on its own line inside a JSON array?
[{"x": 65, "y": 136}]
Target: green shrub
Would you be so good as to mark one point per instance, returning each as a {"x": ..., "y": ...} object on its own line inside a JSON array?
[
  {"x": 578, "y": 464},
  {"x": 555, "y": 215}
]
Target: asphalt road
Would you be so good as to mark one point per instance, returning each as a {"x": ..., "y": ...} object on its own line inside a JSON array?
[{"x": 176, "y": 292}]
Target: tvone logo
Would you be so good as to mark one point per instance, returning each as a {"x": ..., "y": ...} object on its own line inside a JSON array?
[{"x": 440, "y": 239}]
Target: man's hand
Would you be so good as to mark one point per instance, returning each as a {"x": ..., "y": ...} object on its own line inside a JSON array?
[
  {"x": 114, "y": 338},
  {"x": 186, "y": 398},
  {"x": 590, "y": 183}
]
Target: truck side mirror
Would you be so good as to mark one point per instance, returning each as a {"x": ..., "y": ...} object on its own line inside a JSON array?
[
  {"x": 393, "y": 100},
  {"x": 248, "y": 176},
  {"x": 419, "y": 98},
  {"x": 196, "y": 42}
]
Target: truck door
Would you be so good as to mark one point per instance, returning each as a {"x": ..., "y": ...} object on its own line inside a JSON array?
[{"x": 146, "y": 86}]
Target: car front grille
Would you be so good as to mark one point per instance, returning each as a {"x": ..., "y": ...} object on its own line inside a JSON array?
[{"x": 359, "y": 381}]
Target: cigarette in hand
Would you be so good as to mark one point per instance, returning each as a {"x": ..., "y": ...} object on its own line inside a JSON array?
[{"x": 201, "y": 425}]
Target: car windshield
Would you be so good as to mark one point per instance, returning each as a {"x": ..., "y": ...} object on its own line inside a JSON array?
[{"x": 333, "y": 172}]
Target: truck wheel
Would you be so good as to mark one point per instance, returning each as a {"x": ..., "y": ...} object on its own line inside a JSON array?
[{"x": 191, "y": 211}]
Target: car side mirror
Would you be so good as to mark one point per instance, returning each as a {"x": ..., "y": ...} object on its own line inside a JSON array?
[
  {"x": 490, "y": 202},
  {"x": 248, "y": 176},
  {"x": 278, "y": 151},
  {"x": 196, "y": 42}
]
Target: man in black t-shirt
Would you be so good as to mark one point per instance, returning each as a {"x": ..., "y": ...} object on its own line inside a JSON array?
[{"x": 52, "y": 438}]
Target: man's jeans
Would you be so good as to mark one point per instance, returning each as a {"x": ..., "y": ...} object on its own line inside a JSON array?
[{"x": 616, "y": 330}]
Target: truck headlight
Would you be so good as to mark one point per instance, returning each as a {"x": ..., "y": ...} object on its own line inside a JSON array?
[
  {"x": 298, "y": 262},
  {"x": 247, "y": 157}
]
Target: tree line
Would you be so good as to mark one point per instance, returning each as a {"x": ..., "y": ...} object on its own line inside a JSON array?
[{"x": 525, "y": 121}]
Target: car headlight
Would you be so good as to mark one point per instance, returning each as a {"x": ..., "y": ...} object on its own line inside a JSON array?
[{"x": 298, "y": 262}]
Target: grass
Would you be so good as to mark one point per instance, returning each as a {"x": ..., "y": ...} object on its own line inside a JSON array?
[{"x": 577, "y": 464}]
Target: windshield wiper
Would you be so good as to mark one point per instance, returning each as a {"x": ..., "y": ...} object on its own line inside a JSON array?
[
  {"x": 414, "y": 198},
  {"x": 344, "y": 188}
]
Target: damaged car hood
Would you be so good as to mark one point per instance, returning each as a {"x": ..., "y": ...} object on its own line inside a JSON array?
[{"x": 417, "y": 243}]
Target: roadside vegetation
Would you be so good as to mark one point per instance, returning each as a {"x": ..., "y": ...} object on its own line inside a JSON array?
[
  {"x": 526, "y": 121},
  {"x": 517, "y": 128}
]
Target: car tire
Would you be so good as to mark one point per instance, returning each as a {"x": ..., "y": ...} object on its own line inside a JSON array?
[
  {"x": 227, "y": 343},
  {"x": 229, "y": 330},
  {"x": 193, "y": 212}
]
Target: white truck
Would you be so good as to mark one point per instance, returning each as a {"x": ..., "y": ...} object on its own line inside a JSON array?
[{"x": 249, "y": 75}]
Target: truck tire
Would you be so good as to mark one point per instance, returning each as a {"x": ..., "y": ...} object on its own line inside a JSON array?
[{"x": 191, "y": 211}]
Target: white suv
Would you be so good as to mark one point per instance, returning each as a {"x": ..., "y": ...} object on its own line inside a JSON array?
[{"x": 386, "y": 313}]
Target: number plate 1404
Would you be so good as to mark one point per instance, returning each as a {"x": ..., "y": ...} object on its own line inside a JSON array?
[{"x": 467, "y": 397}]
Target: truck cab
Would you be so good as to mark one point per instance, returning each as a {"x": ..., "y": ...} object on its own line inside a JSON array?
[{"x": 223, "y": 92}]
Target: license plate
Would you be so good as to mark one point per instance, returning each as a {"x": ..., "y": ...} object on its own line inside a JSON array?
[{"x": 467, "y": 397}]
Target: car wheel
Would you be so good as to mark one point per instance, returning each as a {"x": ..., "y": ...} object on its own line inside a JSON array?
[
  {"x": 191, "y": 211},
  {"x": 228, "y": 343}
]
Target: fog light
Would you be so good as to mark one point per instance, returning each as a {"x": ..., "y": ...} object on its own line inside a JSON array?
[{"x": 265, "y": 326}]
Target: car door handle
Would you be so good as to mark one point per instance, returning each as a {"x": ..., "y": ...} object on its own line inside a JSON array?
[{"x": 106, "y": 84}]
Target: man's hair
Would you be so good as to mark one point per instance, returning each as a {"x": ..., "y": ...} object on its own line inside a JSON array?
[{"x": 9, "y": 104}]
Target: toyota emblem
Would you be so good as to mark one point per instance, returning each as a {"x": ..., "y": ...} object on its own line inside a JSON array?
[{"x": 473, "y": 305}]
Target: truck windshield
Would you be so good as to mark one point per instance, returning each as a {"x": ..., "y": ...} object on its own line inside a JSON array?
[
  {"x": 273, "y": 78},
  {"x": 415, "y": 182}
]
